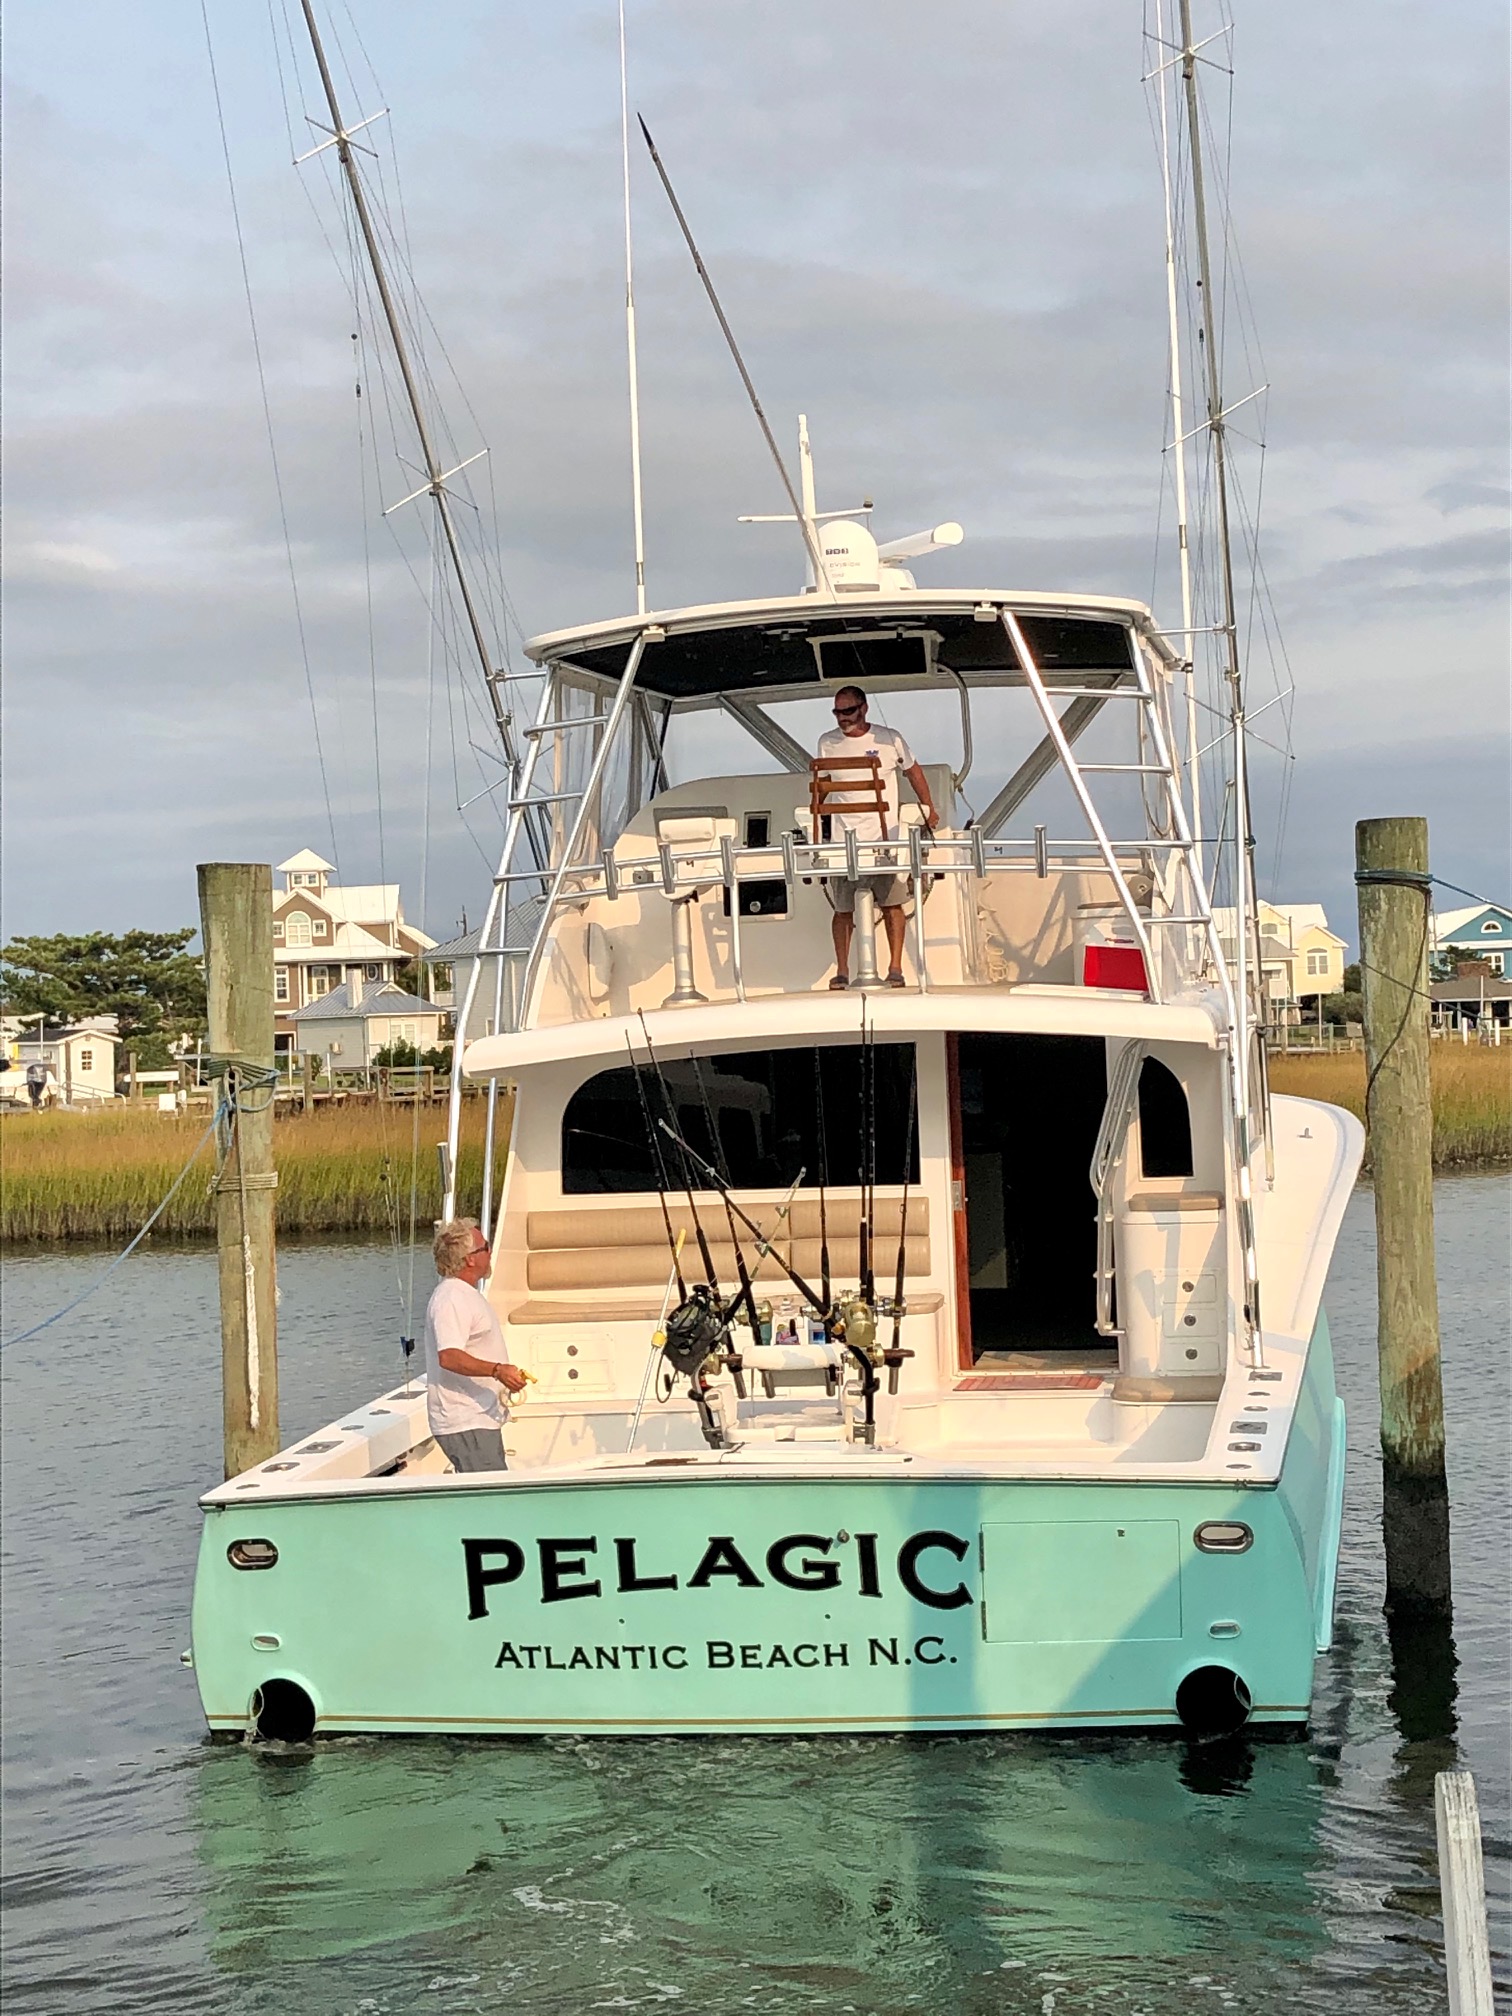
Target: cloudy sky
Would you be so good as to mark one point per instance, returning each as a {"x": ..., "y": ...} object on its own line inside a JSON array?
[{"x": 937, "y": 231}]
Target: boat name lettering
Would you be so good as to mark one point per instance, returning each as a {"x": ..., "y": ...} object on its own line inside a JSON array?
[
  {"x": 575, "y": 1566},
  {"x": 720, "y": 1655}
]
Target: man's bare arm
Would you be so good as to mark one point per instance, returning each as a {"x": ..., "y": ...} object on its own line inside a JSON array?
[
  {"x": 920, "y": 785},
  {"x": 481, "y": 1368}
]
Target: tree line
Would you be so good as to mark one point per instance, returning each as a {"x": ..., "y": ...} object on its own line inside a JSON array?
[{"x": 148, "y": 980}]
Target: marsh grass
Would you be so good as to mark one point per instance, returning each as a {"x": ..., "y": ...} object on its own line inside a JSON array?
[
  {"x": 1472, "y": 1096},
  {"x": 98, "y": 1175}
]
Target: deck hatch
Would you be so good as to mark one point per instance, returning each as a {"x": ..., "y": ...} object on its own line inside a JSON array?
[{"x": 1080, "y": 1581}]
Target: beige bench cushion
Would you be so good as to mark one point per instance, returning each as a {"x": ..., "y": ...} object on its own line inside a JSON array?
[{"x": 542, "y": 1310}]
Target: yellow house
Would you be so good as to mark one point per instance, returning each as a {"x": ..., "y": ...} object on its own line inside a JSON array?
[{"x": 1299, "y": 955}]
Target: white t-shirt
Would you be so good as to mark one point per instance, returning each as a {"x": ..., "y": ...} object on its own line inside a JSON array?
[
  {"x": 457, "y": 1318},
  {"x": 893, "y": 754}
]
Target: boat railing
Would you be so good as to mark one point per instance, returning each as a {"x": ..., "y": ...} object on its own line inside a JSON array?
[{"x": 1173, "y": 940}]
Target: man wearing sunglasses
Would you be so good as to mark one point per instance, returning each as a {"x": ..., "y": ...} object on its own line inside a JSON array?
[
  {"x": 465, "y": 1365},
  {"x": 854, "y": 735}
]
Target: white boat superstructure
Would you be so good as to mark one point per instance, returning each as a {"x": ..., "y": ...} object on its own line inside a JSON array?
[{"x": 941, "y": 1347}]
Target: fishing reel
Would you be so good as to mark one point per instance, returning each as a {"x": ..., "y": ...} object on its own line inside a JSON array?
[
  {"x": 695, "y": 1330},
  {"x": 695, "y": 1344}
]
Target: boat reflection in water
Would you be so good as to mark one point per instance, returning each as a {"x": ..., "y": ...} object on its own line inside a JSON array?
[{"x": 573, "y": 1870}]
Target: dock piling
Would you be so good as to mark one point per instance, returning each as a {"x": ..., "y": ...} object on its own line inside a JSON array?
[
  {"x": 1394, "y": 892},
  {"x": 236, "y": 924}
]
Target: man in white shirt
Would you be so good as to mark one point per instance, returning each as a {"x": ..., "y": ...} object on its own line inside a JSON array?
[
  {"x": 855, "y": 736},
  {"x": 465, "y": 1363}
]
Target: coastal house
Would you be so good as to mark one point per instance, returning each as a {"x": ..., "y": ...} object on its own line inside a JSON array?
[
  {"x": 1299, "y": 956},
  {"x": 80, "y": 1056},
  {"x": 449, "y": 965},
  {"x": 348, "y": 1027},
  {"x": 1481, "y": 931},
  {"x": 328, "y": 935}
]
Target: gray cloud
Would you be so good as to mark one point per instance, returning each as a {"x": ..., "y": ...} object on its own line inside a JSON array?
[{"x": 941, "y": 239}]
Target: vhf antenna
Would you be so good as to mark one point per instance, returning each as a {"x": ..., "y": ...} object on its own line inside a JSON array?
[
  {"x": 635, "y": 447},
  {"x": 805, "y": 524}
]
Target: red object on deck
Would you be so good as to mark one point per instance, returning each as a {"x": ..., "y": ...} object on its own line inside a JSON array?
[{"x": 1115, "y": 966}]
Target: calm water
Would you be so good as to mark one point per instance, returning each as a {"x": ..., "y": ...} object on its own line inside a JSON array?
[{"x": 146, "y": 1870}]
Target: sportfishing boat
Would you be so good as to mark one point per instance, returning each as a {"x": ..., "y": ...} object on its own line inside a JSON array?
[{"x": 943, "y": 1355}]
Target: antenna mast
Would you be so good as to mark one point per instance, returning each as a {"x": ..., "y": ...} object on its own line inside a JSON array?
[
  {"x": 1244, "y": 842},
  {"x": 436, "y": 476},
  {"x": 635, "y": 447},
  {"x": 1178, "y": 440}
]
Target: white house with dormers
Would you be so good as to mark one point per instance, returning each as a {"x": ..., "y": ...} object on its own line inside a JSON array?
[
  {"x": 1483, "y": 931},
  {"x": 328, "y": 935}
]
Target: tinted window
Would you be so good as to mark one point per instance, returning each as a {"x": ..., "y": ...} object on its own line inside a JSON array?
[
  {"x": 1165, "y": 1124},
  {"x": 765, "y": 1108}
]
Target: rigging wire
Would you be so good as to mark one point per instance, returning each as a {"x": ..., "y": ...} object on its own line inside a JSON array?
[{"x": 262, "y": 381}]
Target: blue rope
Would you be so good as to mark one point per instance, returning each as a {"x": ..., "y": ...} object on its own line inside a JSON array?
[
  {"x": 173, "y": 1191},
  {"x": 1490, "y": 901}
]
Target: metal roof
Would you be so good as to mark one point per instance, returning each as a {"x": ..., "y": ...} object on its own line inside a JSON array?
[{"x": 338, "y": 1006}]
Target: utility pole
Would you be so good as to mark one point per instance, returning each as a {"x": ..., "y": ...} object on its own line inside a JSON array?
[
  {"x": 236, "y": 925},
  {"x": 1394, "y": 892}
]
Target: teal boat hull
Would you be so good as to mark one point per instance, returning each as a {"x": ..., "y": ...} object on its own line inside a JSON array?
[{"x": 686, "y": 1599}]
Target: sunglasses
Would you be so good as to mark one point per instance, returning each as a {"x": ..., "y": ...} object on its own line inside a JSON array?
[{"x": 848, "y": 713}]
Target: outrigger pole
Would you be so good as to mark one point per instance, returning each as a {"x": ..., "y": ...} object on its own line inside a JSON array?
[
  {"x": 436, "y": 478},
  {"x": 808, "y": 530}
]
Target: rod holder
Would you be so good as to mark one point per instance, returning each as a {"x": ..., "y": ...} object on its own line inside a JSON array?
[
  {"x": 684, "y": 992},
  {"x": 866, "y": 938}
]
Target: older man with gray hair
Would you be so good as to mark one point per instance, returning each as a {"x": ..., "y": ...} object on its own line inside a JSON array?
[{"x": 465, "y": 1364}]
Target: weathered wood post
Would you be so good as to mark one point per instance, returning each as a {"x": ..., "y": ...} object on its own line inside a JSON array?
[
  {"x": 131, "y": 1068},
  {"x": 1394, "y": 895},
  {"x": 1462, "y": 1889},
  {"x": 307, "y": 1080},
  {"x": 236, "y": 923}
]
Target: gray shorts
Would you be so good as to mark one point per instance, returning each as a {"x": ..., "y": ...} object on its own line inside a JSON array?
[
  {"x": 889, "y": 892},
  {"x": 474, "y": 1449}
]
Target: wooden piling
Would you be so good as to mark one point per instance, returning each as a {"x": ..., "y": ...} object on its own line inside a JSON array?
[
  {"x": 307, "y": 1081},
  {"x": 1462, "y": 1887},
  {"x": 236, "y": 923},
  {"x": 1394, "y": 897}
]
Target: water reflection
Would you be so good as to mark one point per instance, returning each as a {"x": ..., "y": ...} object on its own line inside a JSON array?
[{"x": 582, "y": 1868}]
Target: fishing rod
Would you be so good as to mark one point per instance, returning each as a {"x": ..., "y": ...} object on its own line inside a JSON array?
[
  {"x": 698, "y": 1231},
  {"x": 661, "y": 1175},
  {"x": 747, "y": 1293},
  {"x": 698, "y": 1331},
  {"x": 659, "y": 1339},
  {"x": 824, "y": 1252},
  {"x": 868, "y": 1157},
  {"x": 913, "y": 1113},
  {"x": 706, "y": 1168}
]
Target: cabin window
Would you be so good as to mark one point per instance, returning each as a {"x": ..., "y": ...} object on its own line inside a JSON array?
[
  {"x": 297, "y": 927},
  {"x": 1165, "y": 1122},
  {"x": 86, "y": 1060},
  {"x": 764, "y": 1106}
]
